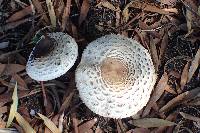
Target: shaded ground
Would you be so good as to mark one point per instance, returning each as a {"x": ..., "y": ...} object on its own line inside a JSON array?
[{"x": 169, "y": 29}]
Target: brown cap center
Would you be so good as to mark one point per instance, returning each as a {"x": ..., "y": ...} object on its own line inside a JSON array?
[
  {"x": 44, "y": 47},
  {"x": 113, "y": 71}
]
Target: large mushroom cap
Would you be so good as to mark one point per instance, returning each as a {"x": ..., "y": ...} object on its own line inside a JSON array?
[
  {"x": 115, "y": 76},
  {"x": 57, "y": 61}
]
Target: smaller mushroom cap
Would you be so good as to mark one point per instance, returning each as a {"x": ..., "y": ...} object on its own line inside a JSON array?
[
  {"x": 59, "y": 59},
  {"x": 115, "y": 76}
]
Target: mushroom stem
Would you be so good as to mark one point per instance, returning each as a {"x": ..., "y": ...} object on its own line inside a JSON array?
[{"x": 44, "y": 94}]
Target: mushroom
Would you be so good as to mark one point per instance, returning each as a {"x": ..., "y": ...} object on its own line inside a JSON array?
[
  {"x": 53, "y": 55},
  {"x": 115, "y": 77}
]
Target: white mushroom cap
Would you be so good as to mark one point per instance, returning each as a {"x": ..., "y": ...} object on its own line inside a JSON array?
[
  {"x": 115, "y": 76},
  {"x": 57, "y": 62}
]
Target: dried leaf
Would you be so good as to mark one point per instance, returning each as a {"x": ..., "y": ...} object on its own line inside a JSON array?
[
  {"x": 2, "y": 123},
  {"x": 66, "y": 103},
  {"x": 7, "y": 97},
  {"x": 159, "y": 89},
  {"x": 150, "y": 7},
  {"x": 24, "y": 124},
  {"x": 65, "y": 17},
  {"x": 180, "y": 98},
  {"x": 20, "y": 81},
  {"x": 20, "y": 14},
  {"x": 192, "y": 17},
  {"x": 10, "y": 69},
  {"x": 84, "y": 10},
  {"x": 8, "y": 130},
  {"x": 120, "y": 126},
  {"x": 163, "y": 46},
  {"x": 171, "y": 117},
  {"x": 13, "y": 25},
  {"x": 3, "y": 109},
  {"x": 168, "y": 2},
  {"x": 172, "y": 10},
  {"x": 194, "y": 102},
  {"x": 108, "y": 5},
  {"x": 184, "y": 76},
  {"x": 11, "y": 85},
  {"x": 152, "y": 122},
  {"x": 2, "y": 68},
  {"x": 40, "y": 10},
  {"x": 49, "y": 124},
  {"x": 125, "y": 14},
  {"x": 87, "y": 126},
  {"x": 13, "y": 108},
  {"x": 60, "y": 122},
  {"x": 8, "y": 55},
  {"x": 190, "y": 117},
  {"x": 194, "y": 65},
  {"x": 51, "y": 11},
  {"x": 154, "y": 53},
  {"x": 170, "y": 90},
  {"x": 75, "y": 123},
  {"x": 98, "y": 130},
  {"x": 199, "y": 10},
  {"x": 139, "y": 130},
  {"x": 118, "y": 18},
  {"x": 189, "y": 21}
]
